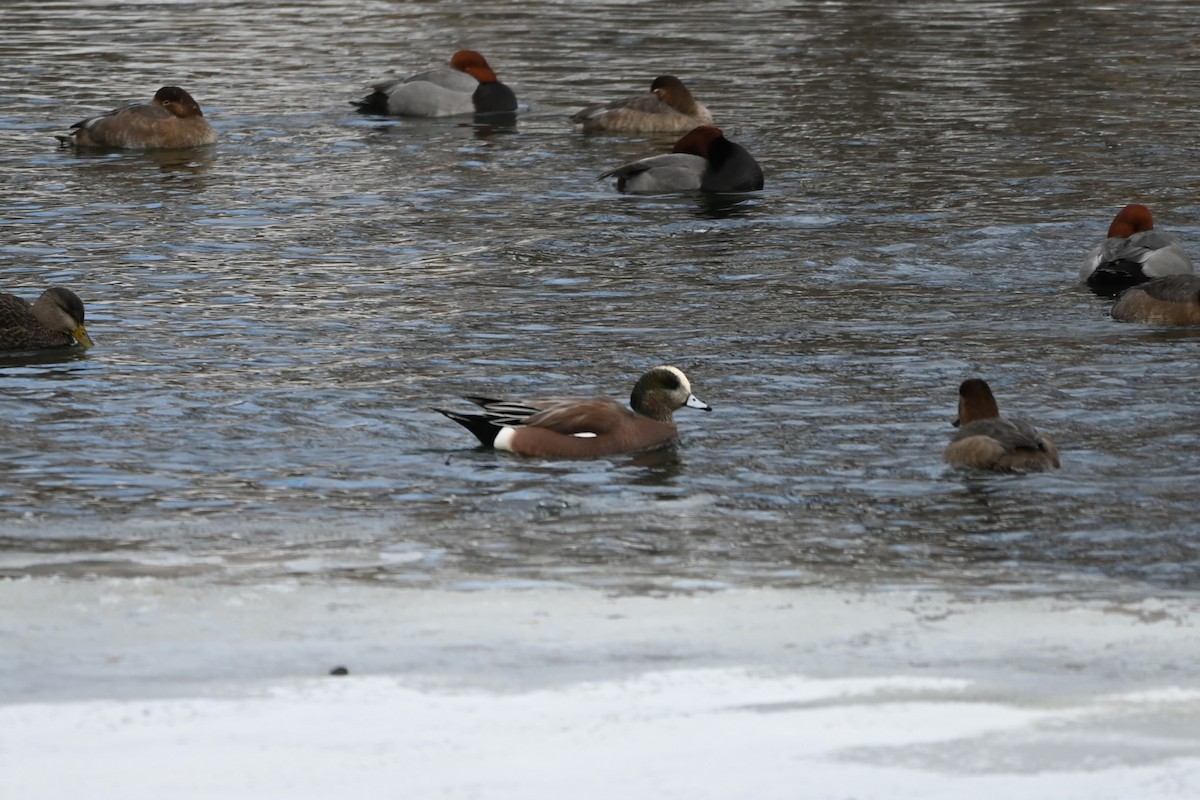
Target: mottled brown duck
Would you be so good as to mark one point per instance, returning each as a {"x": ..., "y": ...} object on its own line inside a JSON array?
[{"x": 53, "y": 320}]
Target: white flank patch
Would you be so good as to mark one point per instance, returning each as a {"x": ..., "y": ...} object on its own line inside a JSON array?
[{"x": 504, "y": 438}]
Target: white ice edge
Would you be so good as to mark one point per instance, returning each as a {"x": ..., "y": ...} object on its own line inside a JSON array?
[{"x": 150, "y": 689}]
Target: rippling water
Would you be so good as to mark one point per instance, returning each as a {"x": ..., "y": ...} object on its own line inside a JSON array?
[{"x": 275, "y": 316}]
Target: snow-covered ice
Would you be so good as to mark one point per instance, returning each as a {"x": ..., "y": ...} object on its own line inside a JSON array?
[{"x": 150, "y": 689}]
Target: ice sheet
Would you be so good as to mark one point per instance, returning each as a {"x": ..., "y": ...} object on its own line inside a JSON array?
[{"x": 148, "y": 689}]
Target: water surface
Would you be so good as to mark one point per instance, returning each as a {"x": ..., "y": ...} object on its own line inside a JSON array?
[{"x": 275, "y": 316}]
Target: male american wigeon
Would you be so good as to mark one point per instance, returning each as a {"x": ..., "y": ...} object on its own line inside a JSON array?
[
  {"x": 53, "y": 320},
  {"x": 467, "y": 86},
  {"x": 668, "y": 106},
  {"x": 986, "y": 440},
  {"x": 703, "y": 159},
  {"x": 1134, "y": 252},
  {"x": 585, "y": 427},
  {"x": 171, "y": 120},
  {"x": 1173, "y": 300}
]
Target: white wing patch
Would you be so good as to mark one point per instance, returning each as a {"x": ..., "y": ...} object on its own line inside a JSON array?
[{"x": 585, "y": 435}]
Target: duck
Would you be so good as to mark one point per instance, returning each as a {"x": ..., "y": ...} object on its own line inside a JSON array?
[
  {"x": 986, "y": 440},
  {"x": 171, "y": 120},
  {"x": 585, "y": 427},
  {"x": 55, "y": 319},
  {"x": 1169, "y": 300},
  {"x": 467, "y": 86},
  {"x": 703, "y": 159},
  {"x": 668, "y": 107},
  {"x": 1134, "y": 252}
]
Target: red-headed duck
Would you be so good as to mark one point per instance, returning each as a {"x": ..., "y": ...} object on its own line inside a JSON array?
[
  {"x": 1134, "y": 252},
  {"x": 702, "y": 160},
  {"x": 53, "y": 320},
  {"x": 467, "y": 86},
  {"x": 986, "y": 440},
  {"x": 585, "y": 427},
  {"x": 1171, "y": 300},
  {"x": 669, "y": 106},
  {"x": 171, "y": 120}
]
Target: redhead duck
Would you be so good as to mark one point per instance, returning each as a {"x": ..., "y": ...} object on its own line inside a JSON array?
[
  {"x": 703, "y": 159},
  {"x": 1134, "y": 252},
  {"x": 53, "y": 320},
  {"x": 987, "y": 440},
  {"x": 668, "y": 107},
  {"x": 467, "y": 86},
  {"x": 585, "y": 428},
  {"x": 171, "y": 120},
  {"x": 1170, "y": 300}
]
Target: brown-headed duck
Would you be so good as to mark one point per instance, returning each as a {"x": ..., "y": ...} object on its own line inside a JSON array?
[
  {"x": 703, "y": 159},
  {"x": 171, "y": 120},
  {"x": 986, "y": 440},
  {"x": 585, "y": 427},
  {"x": 668, "y": 106},
  {"x": 53, "y": 320},
  {"x": 1171, "y": 300},
  {"x": 1134, "y": 252},
  {"x": 467, "y": 86}
]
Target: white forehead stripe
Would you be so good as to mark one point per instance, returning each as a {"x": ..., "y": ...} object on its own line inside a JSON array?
[{"x": 683, "y": 381}]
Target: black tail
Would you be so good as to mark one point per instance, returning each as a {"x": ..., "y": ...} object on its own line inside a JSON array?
[
  {"x": 1114, "y": 277},
  {"x": 374, "y": 103},
  {"x": 477, "y": 424}
]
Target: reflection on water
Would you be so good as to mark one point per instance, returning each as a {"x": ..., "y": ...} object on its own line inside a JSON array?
[
  {"x": 275, "y": 315},
  {"x": 10, "y": 360}
]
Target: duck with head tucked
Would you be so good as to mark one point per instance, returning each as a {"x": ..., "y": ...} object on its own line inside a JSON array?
[
  {"x": 53, "y": 320},
  {"x": 585, "y": 427},
  {"x": 702, "y": 160},
  {"x": 467, "y": 86},
  {"x": 171, "y": 120},
  {"x": 668, "y": 106},
  {"x": 986, "y": 440},
  {"x": 1171, "y": 300},
  {"x": 1134, "y": 252}
]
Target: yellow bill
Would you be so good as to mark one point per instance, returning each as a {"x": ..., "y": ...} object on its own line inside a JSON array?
[{"x": 80, "y": 335}]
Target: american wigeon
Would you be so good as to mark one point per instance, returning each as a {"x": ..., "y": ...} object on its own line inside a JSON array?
[
  {"x": 467, "y": 86},
  {"x": 703, "y": 159},
  {"x": 1173, "y": 300},
  {"x": 1135, "y": 251},
  {"x": 53, "y": 320},
  {"x": 171, "y": 120},
  {"x": 986, "y": 440},
  {"x": 585, "y": 427},
  {"x": 669, "y": 106}
]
